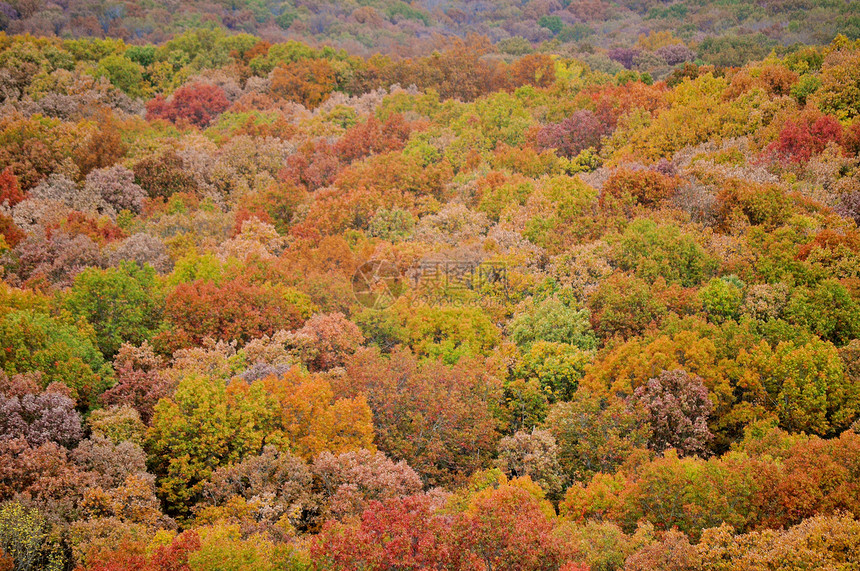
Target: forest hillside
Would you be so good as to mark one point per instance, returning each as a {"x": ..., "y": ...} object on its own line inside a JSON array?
[{"x": 442, "y": 285}]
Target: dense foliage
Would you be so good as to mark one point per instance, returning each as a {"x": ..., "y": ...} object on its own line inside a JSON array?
[
  {"x": 525, "y": 303},
  {"x": 632, "y": 33}
]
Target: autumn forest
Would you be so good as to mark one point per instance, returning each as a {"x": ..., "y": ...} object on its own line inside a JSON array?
[{"x": 376, "y": 285}]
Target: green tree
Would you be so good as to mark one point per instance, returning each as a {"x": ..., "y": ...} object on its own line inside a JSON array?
[
  {"x": 123, "y": 304},
  {"x": 551, "y": 23},
  {"x": 34, "y": 341},
  {"x": 205, "y": 426},
  {"x": 805, "y": 384},
  {"x": 447, "y": 331},
  {"x": 654, "y": 250},
  {"x": 554, "y": 320},
  {"x": 839, "y": 93},
  {"x": 827, "y": 310},
  {"x": 721, "y": 300},
  {"x": 124, "y": 73},
  {"x": 557, "y": 367}
]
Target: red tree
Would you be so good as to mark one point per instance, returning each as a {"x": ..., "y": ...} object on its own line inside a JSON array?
[
  {"x": 197, "y": 104},
  {"x": 578, "y": 132},
  {"x": 799, "y": 140},
  {"x": 373, "y": 136},
  {"x": 10, "y": 190},
  {"x": 507, "y": 529},
  {"x": 401, "y": 533},
  {"x": 646, "y": 187},
  {"x": 140, "y": 382},
  {"x": 10, "y": 232},
  {"x": 236, "y": 309}
]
